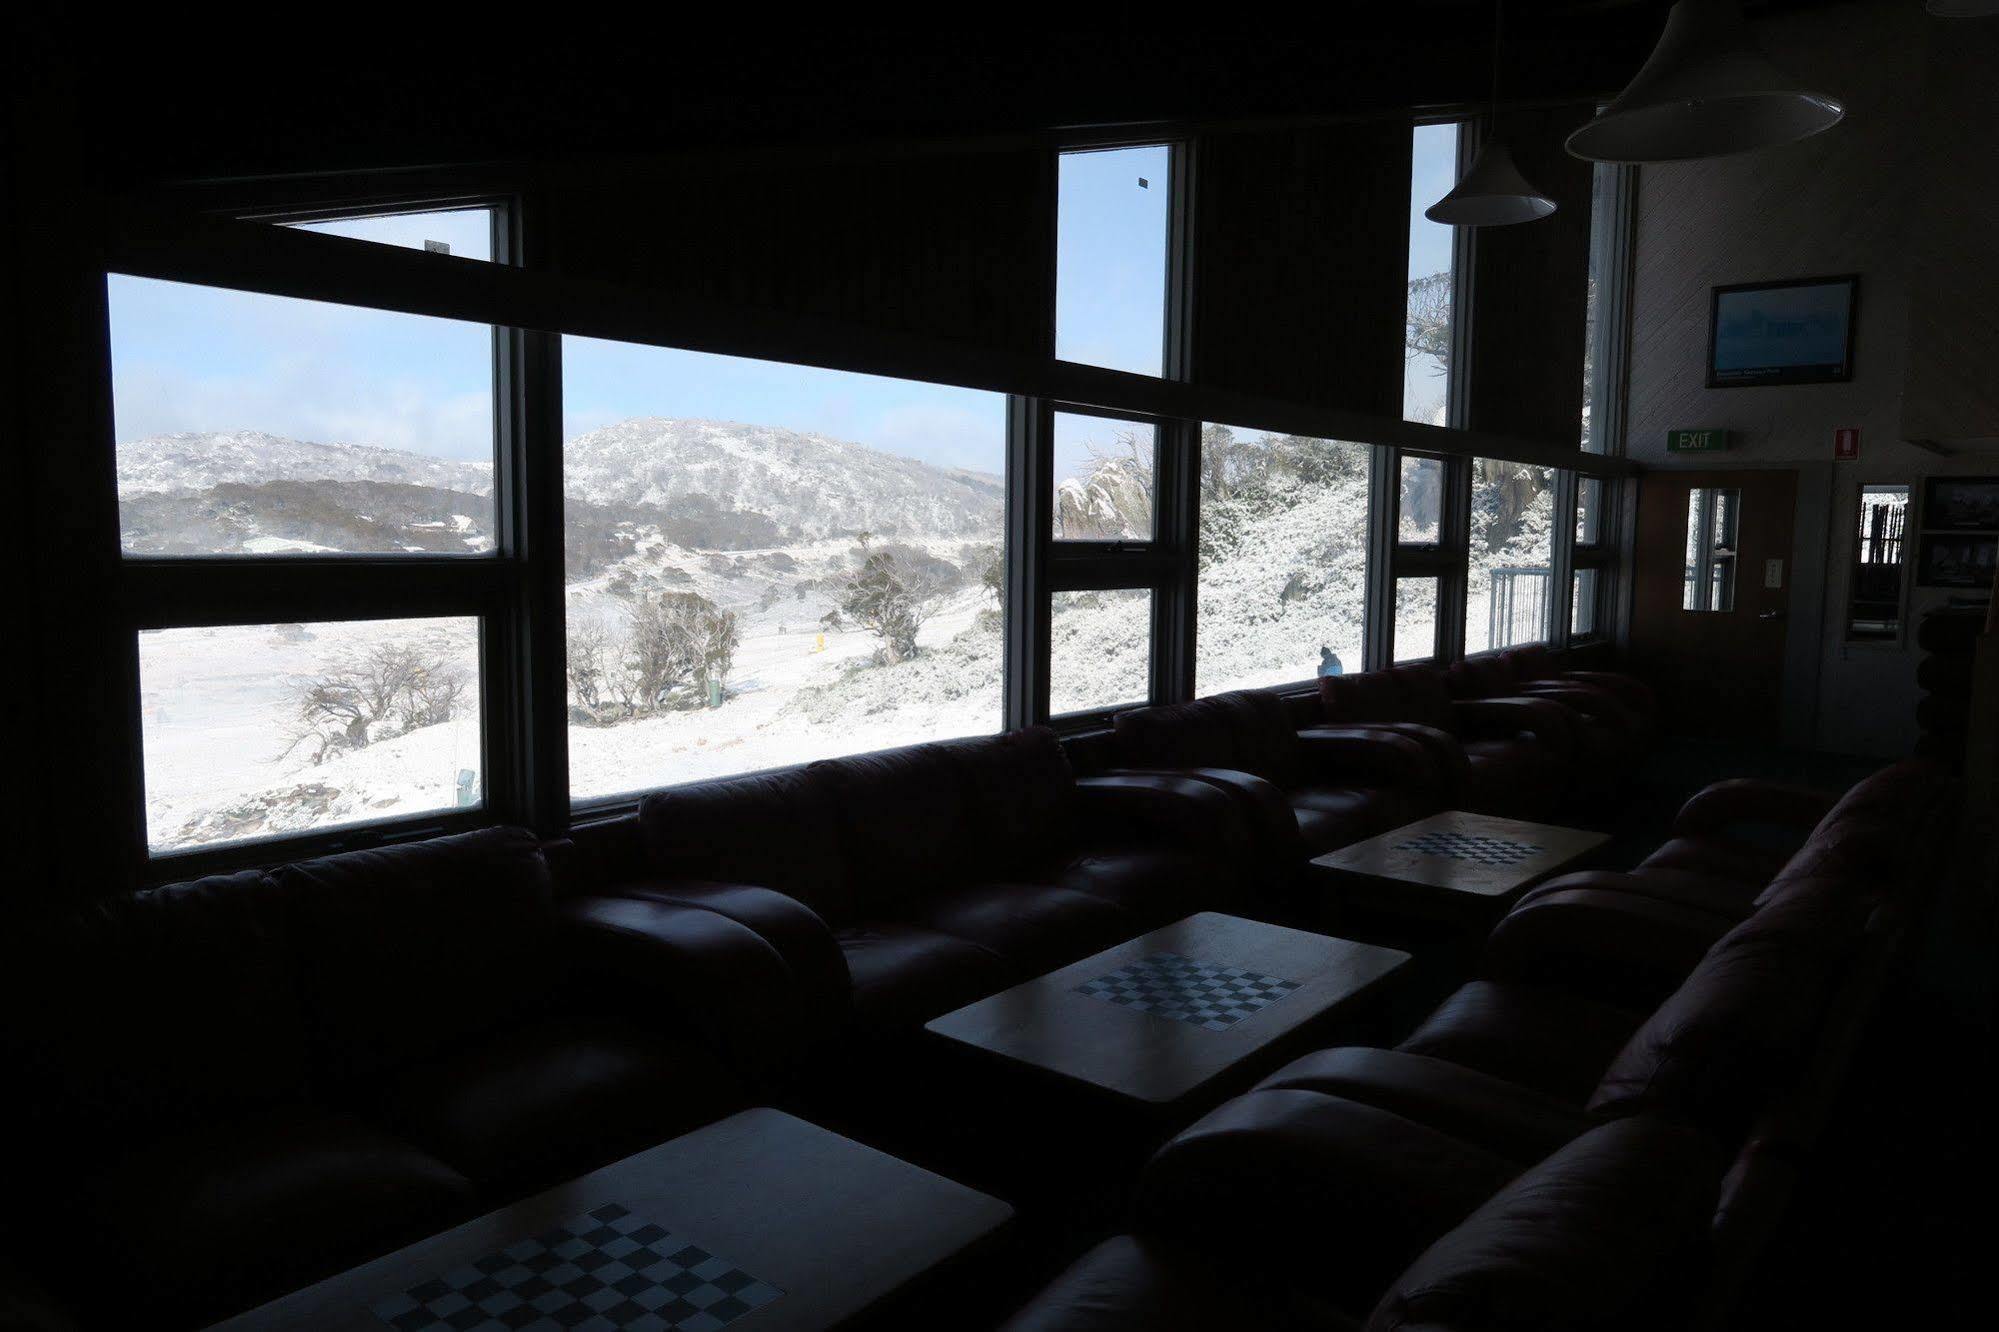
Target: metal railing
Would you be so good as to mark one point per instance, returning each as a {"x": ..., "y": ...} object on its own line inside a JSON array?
[{"x": 1518, "y": 610}]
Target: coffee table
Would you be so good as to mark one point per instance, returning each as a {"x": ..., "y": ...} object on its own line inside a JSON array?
[
  {"x": 757, "y": 1222},
  {"x": 1452, "y": 868},
  {"x": 1159, "y": 1019}
]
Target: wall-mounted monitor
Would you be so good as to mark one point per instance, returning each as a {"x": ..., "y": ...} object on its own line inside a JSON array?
[{"x": 1796, "y": 332}]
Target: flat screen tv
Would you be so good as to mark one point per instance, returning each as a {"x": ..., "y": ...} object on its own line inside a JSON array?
[{"x": 1797, "y": 332}]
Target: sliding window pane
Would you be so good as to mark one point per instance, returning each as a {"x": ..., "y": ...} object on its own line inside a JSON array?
[
  {"x": 262, "y": 730},
  {"x": 464, "y": 233},
  {"x": 1110, "y": 258},
  {"x": 1283, "y": 559},
  {"x": 1506, "y": 594},
  {"x": 1421, "y": 501},
  {"x": 1100, "y": 650},
  {"x": 1596, "y": 330},
  {"x": 1582, "y": 609},
  {"x": 1415, "y": 619},
  {"x": 768, "y": 564},
  {"x": 1589, "y": 511},
  {"x": 1426, "y": 368},
  {"x": 1103, "y": 478},
  {"x": 262, "y": 425}
]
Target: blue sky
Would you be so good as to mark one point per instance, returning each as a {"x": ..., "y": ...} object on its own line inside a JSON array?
[
  {"x": 1110, "y": 258},
  {"x": 1434, "y": 169}
]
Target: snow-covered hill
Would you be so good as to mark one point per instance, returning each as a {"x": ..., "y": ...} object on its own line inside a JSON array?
[
  {"x": 809, "y": 485},
  {"x": 192, "y": 462}
]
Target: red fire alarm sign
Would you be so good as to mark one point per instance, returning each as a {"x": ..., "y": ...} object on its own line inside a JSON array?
[{"x": 1846, "y": 443}]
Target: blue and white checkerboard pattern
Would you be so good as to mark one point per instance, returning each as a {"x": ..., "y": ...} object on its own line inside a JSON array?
[
  {"x": 1171, "y": 986},
  {"x": 1466, "y": 846},
  {"x": 605, "y": 1270}
]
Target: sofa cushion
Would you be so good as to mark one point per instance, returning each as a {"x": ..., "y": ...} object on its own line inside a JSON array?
[
  {"x": 209, "y": 1221},
  {"x": 1020, "y": 798},
  {"x": 1180, "y": 735},
  {"x": 903, "y": 826},
  {"x": 527, "y": 1108},
  {"x": 1423, "y": 697},
  {"x": 1034, "y": 927},
  {"x": 1744, "y": 1022},
  {"x": 1546, "y": 1039},
  {"x": 1133, "y": 1283},
  {"x": 149, "y": 1012},
  {"x": 904, "y": 975},
  {"x": 1155, "y": 886},
  {"x": 1717, "y": 857},
  {"x": 1370, "y": 696},
  {"x": 404, "y": 950},
  {"x": 1609, "y": 1232},
  {"x": 777, "y": 830}
]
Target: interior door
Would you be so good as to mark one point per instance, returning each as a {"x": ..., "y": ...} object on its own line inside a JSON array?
[{"x": 1712, "y": 586}]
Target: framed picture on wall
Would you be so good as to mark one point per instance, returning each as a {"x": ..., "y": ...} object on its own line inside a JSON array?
[
  {"x": 1961, "y": 504},
  {"x": 1794, "y": 332},
  {"x": 1949, "y": 559}
]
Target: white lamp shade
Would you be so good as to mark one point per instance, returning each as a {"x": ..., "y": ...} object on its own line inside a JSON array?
[
  {"x": 1705, "y": 92},
  {"x": 1492, "y": 193}
]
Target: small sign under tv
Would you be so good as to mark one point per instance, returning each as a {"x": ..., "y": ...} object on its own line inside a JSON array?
[{"x": 1795, "y": 332}]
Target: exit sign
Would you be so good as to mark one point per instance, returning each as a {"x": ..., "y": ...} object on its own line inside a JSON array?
[{"x": 1696, "y": 441}]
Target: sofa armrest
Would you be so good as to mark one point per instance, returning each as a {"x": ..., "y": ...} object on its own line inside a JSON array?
[
  {"x": 1168, "y": 807},
  {"x": 1595, "y": 703},
  {"x": 707, "y": 973},
  {"x": 1582, "y": 934},
  {"x": 1261, "y": 805},
  {"x": 1542, "y": 718},
  {"x": 1633, "y": 692},
  {"x": 804, "y": 941},
  {"x": 1374, "y": 758},
  {"x": 1747, "y": 800}
]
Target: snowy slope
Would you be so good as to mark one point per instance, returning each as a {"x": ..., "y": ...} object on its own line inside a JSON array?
[{"x": 185, "y": 463}]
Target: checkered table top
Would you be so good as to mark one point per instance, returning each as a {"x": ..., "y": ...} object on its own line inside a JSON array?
[
  {"x": 1184, "y": 989},
  {"x": 607, "y": 1269},
  {"x": 1468, "y": 846}
]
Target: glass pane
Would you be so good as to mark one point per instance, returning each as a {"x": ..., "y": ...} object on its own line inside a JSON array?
[
  {"x": 1512, "y": 517},
  {"x": 769, "y": 564},
  {"x": 1415, "y": 619},
  {"x": 466, "y": 233},
  {"x": 263, "y": 425},
  {"x": 1103, "y": 478},
  {"x": 1582, "y": 610},
  {"x": 1110, "y": 258},
  {"x": 1602, "y": 217},
  {"x": 1709, "y": 583},
  {"x": 1426, "y": 383},
  {"x": 258, "y": 730},
  {"x": 1589, "y": 510},
  {"x": 1874, "y": 608},
  {"x": 1421, "y": 501},
  {"x": 1100, "y": 649},
  {"x": 1283, "y": 559}
]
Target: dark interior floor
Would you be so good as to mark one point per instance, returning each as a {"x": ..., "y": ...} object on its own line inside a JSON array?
[{"x": 1891, "y": 1226}]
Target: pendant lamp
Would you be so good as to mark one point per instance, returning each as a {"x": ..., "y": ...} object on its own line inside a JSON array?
[
  {"x": 1492, "y": 192},
  {"x": 1705, "y": 91}
]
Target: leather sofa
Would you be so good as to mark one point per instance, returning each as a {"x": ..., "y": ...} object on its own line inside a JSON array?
[
  {"x": 1313, "y": 1190},
  {"x": 1305, "y": 791},
  {"x": 1611, "y": 1230},
  {"x": 241, "y": 1084},
  {"x": 891, "y": 888},
  {"x": 1507, "y": 756},
  {"x": 1606, "y": 736}
]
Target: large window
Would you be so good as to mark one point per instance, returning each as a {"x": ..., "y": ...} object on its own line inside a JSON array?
[
  {"x": 1507, "y": 594},
  {"x": 767, "y": 564},
  {"x": 1426, "y": 370},
  {"x": 1111, "y": 257},
  {"x": 263, "y": 730},
  {"x": 262, "y": 425},
  {"x": 1283, "y": 559}
]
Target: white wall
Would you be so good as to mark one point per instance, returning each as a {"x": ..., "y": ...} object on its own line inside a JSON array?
[{"x": 1863, "y": 197}]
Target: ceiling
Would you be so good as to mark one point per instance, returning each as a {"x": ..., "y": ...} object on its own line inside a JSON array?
[{"x": 173, "y": 101}]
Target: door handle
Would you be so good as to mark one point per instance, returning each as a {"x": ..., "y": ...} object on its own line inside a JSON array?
[{"x": 1771, "y": 615}]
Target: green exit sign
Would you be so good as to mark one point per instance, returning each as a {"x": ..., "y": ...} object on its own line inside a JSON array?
[{"x": 1696, "y": 441}]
